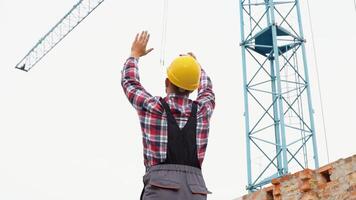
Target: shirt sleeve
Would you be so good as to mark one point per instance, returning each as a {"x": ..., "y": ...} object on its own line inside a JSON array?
[
  {"x": 206, "y": 96},
  {"x": 130, "y": 81}
]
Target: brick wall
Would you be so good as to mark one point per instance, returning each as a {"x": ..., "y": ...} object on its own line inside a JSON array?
[{"x": 335, "y": 181}]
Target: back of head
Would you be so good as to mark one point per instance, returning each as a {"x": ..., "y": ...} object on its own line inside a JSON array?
[{"x": 184, "y": 72}]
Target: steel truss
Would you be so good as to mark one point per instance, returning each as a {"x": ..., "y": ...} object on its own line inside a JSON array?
[
  {"x": 279, "y": 121},
  {"x": 58, "y": 32}
]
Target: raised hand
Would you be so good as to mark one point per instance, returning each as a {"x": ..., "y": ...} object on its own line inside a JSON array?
[{"x": 139, "y": 45}]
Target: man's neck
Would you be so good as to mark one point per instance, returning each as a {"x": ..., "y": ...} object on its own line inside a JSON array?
[{"x": 173, "y": 94}]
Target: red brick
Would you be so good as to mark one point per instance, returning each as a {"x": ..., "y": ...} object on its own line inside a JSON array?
[{"x": 334, "y": 181}]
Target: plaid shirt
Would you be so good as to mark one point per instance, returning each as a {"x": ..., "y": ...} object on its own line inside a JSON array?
[{"x": 153, "y": 118}]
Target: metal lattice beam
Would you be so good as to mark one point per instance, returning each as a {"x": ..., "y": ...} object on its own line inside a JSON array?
[
  {"x": 57, "y": 33},
  {"x": 278, "y": 113}
]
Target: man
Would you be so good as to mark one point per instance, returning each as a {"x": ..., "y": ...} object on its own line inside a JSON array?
[{"x": 174, "y": 129}]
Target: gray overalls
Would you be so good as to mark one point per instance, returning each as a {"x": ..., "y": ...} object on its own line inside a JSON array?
[{"x": 179, "y": 177}]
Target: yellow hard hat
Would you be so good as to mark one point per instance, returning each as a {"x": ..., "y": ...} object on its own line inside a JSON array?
[{"x": 184, "y": 72}]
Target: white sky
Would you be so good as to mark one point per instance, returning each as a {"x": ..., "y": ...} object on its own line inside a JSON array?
[{"x": 68, "y": 132}]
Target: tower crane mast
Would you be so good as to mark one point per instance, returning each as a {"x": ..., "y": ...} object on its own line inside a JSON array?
[
  {"x": 58, "y": 32},
  {"x": 279, "y": 121}
]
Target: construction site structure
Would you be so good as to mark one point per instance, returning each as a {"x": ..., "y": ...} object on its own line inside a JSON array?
[
  {"x": 58, "y": 32},
  {"x": 278, "y": 110},
  {"x": 280, "y": 132},
  {"x": 334, "y": 181}
]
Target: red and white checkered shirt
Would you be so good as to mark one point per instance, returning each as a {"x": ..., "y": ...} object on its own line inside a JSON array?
[{"x": 153, "y": 118}]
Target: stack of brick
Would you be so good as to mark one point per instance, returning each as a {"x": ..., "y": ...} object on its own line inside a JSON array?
[{"x": 335, "y": 181}]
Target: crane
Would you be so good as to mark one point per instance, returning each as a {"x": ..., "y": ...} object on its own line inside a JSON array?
[
  {"x": 58, "y": 32},
  {"x": 278, "y": 111}
]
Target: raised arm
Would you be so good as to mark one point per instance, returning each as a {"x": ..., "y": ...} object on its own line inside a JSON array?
[
  {"x": 206, "y": 96},
  {"x": 130, "y": 79}
]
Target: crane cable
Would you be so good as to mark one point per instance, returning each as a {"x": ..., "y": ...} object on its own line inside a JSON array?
[
  {"x": 164, "y": 32},
  {"x": 318, "y": 79}
]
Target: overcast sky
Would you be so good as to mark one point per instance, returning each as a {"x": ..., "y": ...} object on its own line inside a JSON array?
[{"x": 67, "y": 131}]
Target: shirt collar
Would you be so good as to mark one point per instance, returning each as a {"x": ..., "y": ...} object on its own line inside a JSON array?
[{"x": 174, "y": 95}]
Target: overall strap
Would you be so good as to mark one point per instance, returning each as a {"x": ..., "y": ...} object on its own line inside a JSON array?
[
  {"x": 181, "y": 146},
  {"x": 170, "y": 117}
]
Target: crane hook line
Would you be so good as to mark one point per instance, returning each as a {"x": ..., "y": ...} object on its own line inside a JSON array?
[
  {"x": 164, "y": 32},
  {"x": 318, "y": 79}
]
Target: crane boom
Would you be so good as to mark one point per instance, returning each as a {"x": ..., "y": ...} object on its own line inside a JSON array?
[{"x": 58, "y": 32}]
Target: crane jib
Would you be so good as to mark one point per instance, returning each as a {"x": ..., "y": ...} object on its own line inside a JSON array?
[{"x": 57, "y": 33}]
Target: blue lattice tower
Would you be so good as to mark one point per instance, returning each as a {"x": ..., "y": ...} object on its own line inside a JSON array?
[{"x": 280, "y": 133}]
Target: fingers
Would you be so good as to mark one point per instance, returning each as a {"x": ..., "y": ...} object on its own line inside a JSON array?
[
  {"x": 147, "y": 38},
  {"x": 136, "y": 38},
  {"x": 188, "y": 54},
  {"x": 141, "y": 36},
  {"x": 144, "y": 37},
  {"x": 149, "y": 50},
  {"x": 192, "y": 55},
  {"x": 138, "y": 48}
]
